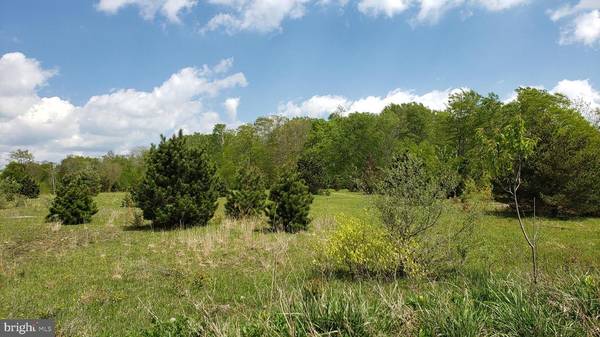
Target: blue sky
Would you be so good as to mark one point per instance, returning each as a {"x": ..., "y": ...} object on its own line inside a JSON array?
[{"x": 92, "y": 76}]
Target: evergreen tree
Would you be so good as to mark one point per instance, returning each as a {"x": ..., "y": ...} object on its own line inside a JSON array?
[
  {"x": 73, "y": 203},
  {"x": 179, "y": 187},
  {"x": 247, "y": 198},
  {"x": 289, "y": 204},
  {"x": 311, "y": 170},
  {"x": 29, "y": 187}
]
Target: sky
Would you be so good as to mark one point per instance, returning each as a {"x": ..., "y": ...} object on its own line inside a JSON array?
[{"x": 88, "y": 77}]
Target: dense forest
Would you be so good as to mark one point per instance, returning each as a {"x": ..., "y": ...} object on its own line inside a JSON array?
[{"x": 349, "y": 150}]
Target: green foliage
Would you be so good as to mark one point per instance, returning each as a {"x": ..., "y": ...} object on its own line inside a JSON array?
[
  {"x": 561, "y": 173},
  {"x": 73, "y": 203},
  {"x": 127, "y": 201},
  {"x": 289, "y": 204},
  {"x": 9, "y": 188},
  {"x": 247, "y": 197},
  {"x": 321, "y": 313},
  {"x": 311, "y": 170},
  {"x": 179, "y": 187},
  {"x": 410, "y": 203},
  {"x": 29, "y": 188},
  {"x": 18, "y": 172},
  {"x": 449, "y": 314},
  {"x": 507, "y": 151}
]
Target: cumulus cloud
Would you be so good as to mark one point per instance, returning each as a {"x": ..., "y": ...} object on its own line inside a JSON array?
[
  {"x": 580, "y": 23},
  {"x": 582, "y": 93},
  {"x": 19, "y": 80},
  {"x": 388, "y": 8},
  {"x": 268, "y": 15},
  {"x": 170, "y": 9},
  {"x": 322, "y": 106},
  {"x": 255, "y": 15},
  {"x": 316, "y": 106},
  {"x": 119, "y": 121},
  {"x": 430, "y": 10}
]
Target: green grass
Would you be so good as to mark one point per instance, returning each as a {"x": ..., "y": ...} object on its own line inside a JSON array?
[{"x": 108, "y": 279}]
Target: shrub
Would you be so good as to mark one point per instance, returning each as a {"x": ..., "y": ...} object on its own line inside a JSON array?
[
  {"x": 127, "y": 201},
  {"x": 179, "y": 187},
  {"x": 138, "y": 219},
  {"x": 289, "y": 204},
  {"x": 17, "y": 172},
  {"x": 9, "y": 188},
  {"x": 248, "y": 197},
  {"x": 29, "y": 187},
  {"x": 73, "y": 203},
  {"x": 362, "y": 248},
  {"x": 411, "y": 202}
]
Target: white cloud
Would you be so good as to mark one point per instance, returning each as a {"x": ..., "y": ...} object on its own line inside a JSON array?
[
  {"x": 583, "y": 95},
  {"x": 20, "y": 77},
  {"x": 120, "y": 120},
  {"x": 580, "y": 23},
  {"x": 585, "y": 28},
  {"x": 499, "y": 5},
  {"x": 149, "y": 8},
  {"x": 431, "y": 10},
  {"x": 322, "y": 106},
  {"x": 316, "y": 106},
  {"x": 231, "y": 106},
  {"x": 388, "y": 8},
  {"x": 255, "y": 15},
  {"x": 581, "y": 92},
  {"x": 268, "y": 15}
]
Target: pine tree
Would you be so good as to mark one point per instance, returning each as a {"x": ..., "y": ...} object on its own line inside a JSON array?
[
  {"x": 29, "y": 187},
  {"x": 289, "y": 204},
  {"x": 179, "y": 188},
  {"x": 248, "y": 197},
  {"x": 73, "y": 203}
]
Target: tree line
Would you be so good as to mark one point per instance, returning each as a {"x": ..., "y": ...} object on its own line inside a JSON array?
[{"x": 352, "y": 150}]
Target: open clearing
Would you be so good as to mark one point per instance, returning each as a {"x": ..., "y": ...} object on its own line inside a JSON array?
[{"x": 107, "y": 278}]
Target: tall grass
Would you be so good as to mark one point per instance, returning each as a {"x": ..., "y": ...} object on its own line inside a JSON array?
[{"x": 481, "y": 307}]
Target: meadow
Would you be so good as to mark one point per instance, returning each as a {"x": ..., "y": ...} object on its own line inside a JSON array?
[{"x": 109, "y": 278}]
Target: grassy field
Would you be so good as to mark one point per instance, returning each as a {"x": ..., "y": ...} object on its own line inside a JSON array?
[{"x": 107, "y": 278}]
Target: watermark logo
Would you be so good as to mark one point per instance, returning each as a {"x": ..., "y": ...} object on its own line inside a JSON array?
[{"x": 27, "y": 328}]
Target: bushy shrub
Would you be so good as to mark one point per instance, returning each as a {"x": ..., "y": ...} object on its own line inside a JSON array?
[
  {"x": 138, "y": 219},
  {"x": 248, "y": 195},
  {"x": 410, "y": 203},
  {"x": 289, "y": 204},
  {"x": 73, "y": 203},
  {"x": 17, "y": 172},
  {"x": 179, "y": 187},
  {"x": 29, "y": 188},
  {"x": 363, "y": 248},
  {"x": 9, "y": 188},
  {"x": 127, "y": 201}
]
